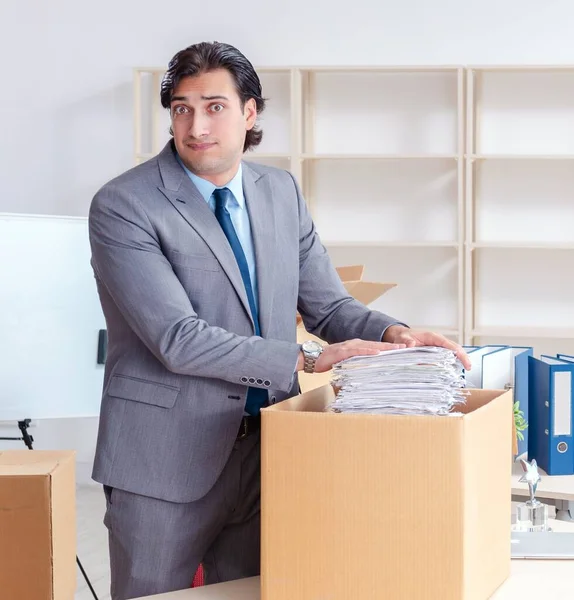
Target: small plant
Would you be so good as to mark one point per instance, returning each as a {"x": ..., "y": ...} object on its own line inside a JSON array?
[{"x": 519, "y": 421}]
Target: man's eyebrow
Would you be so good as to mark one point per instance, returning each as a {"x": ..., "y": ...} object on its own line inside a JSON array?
[{"x": 186, "y": 98}]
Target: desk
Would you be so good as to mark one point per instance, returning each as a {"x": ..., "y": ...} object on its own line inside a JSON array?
[
  {"x": 529, "y": 580},
  {"x": 243, "y": 589},
  {"x": 536, "y": 579},
  {"x": 557, "y": 490}
]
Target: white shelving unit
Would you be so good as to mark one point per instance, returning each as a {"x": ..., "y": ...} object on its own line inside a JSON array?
[
  {"x": 379, "y": 154},
  {"x": 520, "y": 207},
  {"x": 455, "y": 182}
]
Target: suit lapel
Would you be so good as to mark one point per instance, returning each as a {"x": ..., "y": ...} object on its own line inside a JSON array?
[
  {"x": 262, "y": 217},
  {"x": 186, "y": 199}
]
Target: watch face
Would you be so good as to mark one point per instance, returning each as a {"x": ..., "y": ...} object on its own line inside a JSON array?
[{"x": 312, "y": 347}]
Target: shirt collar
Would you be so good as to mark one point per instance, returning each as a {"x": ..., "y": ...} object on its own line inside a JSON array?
[{"x": 206, "y": 188}]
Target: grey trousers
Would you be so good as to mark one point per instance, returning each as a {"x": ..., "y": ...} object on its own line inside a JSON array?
[{"x": 157, "y": 546}]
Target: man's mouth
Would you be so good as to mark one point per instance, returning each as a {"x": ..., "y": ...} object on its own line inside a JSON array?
[{"x": 201, "y": 146}]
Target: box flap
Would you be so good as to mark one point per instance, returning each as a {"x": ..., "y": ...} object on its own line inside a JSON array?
[
  {"x": 479, "y": 398},
  {"x": 31, "y": 462},
  {"x": 367, "y": 291},
  {"x": 318, "y": 393},
  {"x": 351, "y": 273},
  {"x": 363, "y": 291},
  {"x": 315, "y": 400}
]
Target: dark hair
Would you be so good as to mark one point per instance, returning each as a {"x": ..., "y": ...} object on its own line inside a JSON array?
[{"x": 208, "y": 56}]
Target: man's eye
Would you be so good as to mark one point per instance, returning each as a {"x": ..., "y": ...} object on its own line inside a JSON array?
[
  {"x": 217, "y": 107},
  {"x": 179, "y": 110}
]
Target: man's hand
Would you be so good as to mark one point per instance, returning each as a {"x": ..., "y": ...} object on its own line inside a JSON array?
[
  {"x": 398, "y": 334},
  {"x": 335, "y": 353}
]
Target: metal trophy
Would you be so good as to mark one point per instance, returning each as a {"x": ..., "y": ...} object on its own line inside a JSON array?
[{"x": 531, "y": 515}]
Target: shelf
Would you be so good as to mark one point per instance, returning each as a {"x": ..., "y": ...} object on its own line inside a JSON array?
[
  {"x": 459, "y": 162},
  {"x": 403, "y": 112},
  {"x": 266, "y": 155},
  {"x": 521, "y": 246},
  {"x": 287, "y": 156},
  {"x": 395, "y": 202},
  {"x": 521, "y": 156},
  {"x": 446, "y": 331},
  {"x": 522, "y": 112},
  {"x": 379, "y": 156},
  {"x": 387, "y": 244},
  {"x": 380, "y": 68},
  {"x": 520, "y": 68},
  {"x": 526, "y": 332},
  {"x": 525, "y": 286},
  {"x": 523, "y": 204},
  {"x": 247, "y": 156},
  {"x": 162, "y": 70}
]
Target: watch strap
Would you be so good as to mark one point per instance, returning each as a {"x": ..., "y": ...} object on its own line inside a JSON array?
[{"x": 309, "y": 363}]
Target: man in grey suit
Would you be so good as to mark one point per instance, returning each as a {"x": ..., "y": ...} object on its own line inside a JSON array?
[{"x": 202, "y": 261}]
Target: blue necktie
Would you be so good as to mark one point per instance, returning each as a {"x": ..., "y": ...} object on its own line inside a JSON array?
[{"x": 256, "y": 397}]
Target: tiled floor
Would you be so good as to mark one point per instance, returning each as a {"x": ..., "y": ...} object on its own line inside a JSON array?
[{"x": 92, "y": 543}]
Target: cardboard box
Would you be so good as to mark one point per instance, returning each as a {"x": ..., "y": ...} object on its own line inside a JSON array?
[
  {"x": 385, "y": 506},
  {"x": 37, "y": 525},
  {"x": 363, "y": 291}
]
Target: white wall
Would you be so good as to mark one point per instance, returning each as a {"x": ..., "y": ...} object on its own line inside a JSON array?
[
  {"x": 66, "y": 66},
  {"x": 66, "y": 103}
]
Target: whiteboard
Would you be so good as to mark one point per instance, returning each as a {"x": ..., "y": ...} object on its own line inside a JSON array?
[{"x": 50, "y": 317}]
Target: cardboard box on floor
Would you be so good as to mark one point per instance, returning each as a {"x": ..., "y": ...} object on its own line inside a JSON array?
[
  {"x": 363, "y": 291},
  {"x": 37, "y": 525},
  {"x": 385, "y": 506}
]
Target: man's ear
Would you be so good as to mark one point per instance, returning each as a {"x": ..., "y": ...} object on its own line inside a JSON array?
[{"x": 250, "y": 113}]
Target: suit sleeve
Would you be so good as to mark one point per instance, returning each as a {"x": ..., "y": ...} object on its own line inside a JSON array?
[
  {"x": 327, "y": 309},
  {"x": 128, "y": 260}
]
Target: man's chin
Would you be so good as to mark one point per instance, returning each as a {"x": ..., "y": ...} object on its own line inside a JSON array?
[{"x": 204, "y": 166}]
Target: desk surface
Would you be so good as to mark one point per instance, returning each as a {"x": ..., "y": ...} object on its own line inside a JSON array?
[
  {"x": 529, "y": 580},
  {"x": 556, "y": 487}
]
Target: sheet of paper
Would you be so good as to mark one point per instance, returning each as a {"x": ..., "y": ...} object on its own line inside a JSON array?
[{"x": 424, "y": 381}]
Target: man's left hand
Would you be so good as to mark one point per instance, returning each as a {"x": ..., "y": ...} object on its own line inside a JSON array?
[{"x": 398, "y": 334}]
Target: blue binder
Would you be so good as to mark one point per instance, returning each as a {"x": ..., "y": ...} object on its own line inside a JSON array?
[
  {"x": 551, "y": 390},
  {"x": 502, "y": 367}
]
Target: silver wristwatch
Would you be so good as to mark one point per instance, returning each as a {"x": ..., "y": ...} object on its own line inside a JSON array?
[{"x": 311, "y": 352}]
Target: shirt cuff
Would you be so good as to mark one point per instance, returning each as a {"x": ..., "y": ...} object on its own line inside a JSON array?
[
  {"x": 391, "y": 325},
  {"x": 295, "y": 371}
]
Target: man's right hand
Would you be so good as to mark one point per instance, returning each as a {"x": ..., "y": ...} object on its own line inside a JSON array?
[{"x": 334, "y": 353}]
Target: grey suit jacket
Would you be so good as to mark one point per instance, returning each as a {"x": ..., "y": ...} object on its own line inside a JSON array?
[{"x": 181, "y": 343}]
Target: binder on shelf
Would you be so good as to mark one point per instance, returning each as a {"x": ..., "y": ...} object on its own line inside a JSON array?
[
  {"x": 477, "y": 354},
  {"x": 504, "y": 367},
  {"x": 551, "y": 392}
]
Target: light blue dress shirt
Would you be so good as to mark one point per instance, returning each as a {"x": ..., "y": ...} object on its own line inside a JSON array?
[{"x": 238, "y": 213}]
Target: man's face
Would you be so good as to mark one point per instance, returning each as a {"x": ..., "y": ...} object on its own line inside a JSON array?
[{"x": 209, "y": 124}]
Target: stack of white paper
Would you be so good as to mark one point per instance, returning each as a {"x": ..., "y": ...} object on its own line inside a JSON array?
[{"x": 423, "y": 381}]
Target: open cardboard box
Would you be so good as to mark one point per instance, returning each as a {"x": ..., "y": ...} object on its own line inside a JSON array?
[
  {"x": 385, "y": 506},
  {"x": 363, "y": 291}
]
